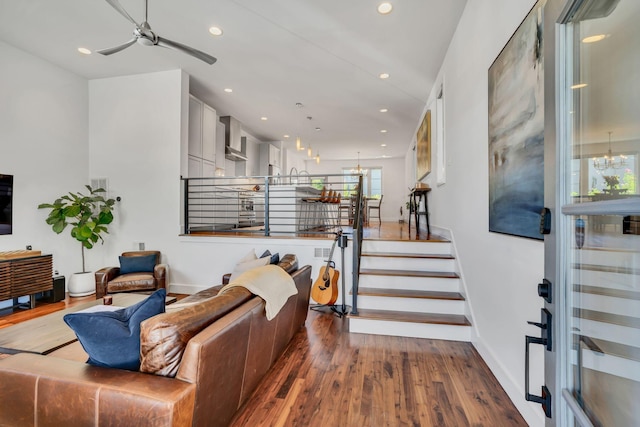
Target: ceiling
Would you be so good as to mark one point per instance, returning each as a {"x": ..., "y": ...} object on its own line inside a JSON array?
[{"x": 325, "y": 54}]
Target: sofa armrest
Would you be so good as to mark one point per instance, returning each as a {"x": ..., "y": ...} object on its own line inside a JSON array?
[
  {"x": 104, "y": 276},
  {"x": 65, "y": 392},
  {"x": 160, "y": 274}
]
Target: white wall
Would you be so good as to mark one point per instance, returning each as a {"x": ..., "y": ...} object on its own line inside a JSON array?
[
  {"x": 137, "y": 129},
  {"x": 135, "y": 138},
  {"x": 394, "y": 191},
  {"x": 501, "y": 272},
  {"x": 43, "y": 144}
]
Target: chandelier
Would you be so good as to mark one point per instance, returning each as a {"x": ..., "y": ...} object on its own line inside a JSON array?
[
  {"x": 358, "y": 170},
  {"x": 609, "y": 161}
]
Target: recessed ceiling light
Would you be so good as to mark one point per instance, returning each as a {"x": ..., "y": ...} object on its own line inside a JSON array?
[
  {"x": 228, "y": 90},
  {"x": 216, "y": 31},
  {"x": 84, "y": 51},
  {"x": 383, "y": 131},
  {"x": 264, "y": 119},
  {"x": 383, "y": 145},
  {"x": 384, "y": 8},
  {"x": 384, "y": 75},
  {"x": 383, "y": 110},
  {"x": 593, "y": 39},
  {"x": 579, "y": 86},
  {"x": 285, "y": 136}
]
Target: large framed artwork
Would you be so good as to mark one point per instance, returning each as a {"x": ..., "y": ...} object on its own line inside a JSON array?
[
  {"x": 423, "y": 147},
  {"x": 516, "y": 131}
]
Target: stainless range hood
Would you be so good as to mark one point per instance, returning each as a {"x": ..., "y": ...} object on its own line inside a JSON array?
[{"x": 233, "y": 147}]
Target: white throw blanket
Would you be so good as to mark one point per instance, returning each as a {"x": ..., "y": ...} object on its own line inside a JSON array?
[{"x": 269, "y": 282}]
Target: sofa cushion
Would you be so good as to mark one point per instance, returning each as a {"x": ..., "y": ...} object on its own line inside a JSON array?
[
  {"x": 131, "y": 282},
  {"x": 289, "y": 263},
  {"x": 164, "y": 338},
  {"x": 137, "y": 264},
  {"x": 273, "y": 258},
  {"x": 112, "y": 338},
  {"x": 246, "y": 266}
]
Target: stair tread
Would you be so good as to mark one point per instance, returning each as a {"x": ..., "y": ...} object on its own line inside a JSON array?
[
  {"x": 412, "y": 273},
  {"x": 618, "y": 349},
  {"x": 600, "y": 316},
  {"x": 609, "y": 292},
  {"x": 407, "y": 293},
  {"x": 407, "y": 255},
  {"x": 413, "y": 317}
]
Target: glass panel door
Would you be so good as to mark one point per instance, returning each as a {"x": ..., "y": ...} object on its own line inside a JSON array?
[{"x": 599, "y": 135}]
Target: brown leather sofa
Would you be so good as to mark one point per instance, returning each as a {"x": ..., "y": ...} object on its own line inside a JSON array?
[
  {"x": 110, "y": 281},
  {"x": 214, "y": 351}
]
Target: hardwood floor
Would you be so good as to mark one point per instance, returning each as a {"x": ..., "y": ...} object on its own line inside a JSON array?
[
  {"x": 330, "y": 377},
  {"x": 388, "y": 230}
]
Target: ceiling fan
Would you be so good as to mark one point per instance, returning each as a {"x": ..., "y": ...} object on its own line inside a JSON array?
[{"x": 142, "y": 34}]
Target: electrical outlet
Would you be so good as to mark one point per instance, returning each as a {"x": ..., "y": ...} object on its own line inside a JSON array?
[{"x": 138, "y": 246}]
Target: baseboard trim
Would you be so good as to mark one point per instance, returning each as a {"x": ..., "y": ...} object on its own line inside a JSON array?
[{"x": 531, "y": 412}]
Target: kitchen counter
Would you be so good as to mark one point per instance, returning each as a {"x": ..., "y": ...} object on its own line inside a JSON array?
[{"x": 285, "y": 206}]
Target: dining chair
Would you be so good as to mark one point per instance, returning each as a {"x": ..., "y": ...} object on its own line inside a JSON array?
[{"x": 374, "y": 207}]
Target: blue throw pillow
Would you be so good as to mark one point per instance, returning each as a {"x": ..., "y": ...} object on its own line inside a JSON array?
[
  {"x": 275, "y": 258},
  {"x": 137, "y": 264},
  {"x": 112, "y": 338}
]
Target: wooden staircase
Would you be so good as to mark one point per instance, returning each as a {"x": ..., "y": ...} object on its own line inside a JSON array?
[{"x": 410, "y": 288}]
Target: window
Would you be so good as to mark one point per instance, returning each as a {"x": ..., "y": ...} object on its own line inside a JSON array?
[{"x": 371, "y": 182}]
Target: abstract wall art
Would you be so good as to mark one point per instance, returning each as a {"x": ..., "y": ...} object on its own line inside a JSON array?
[{"x": 516, "y": 131}]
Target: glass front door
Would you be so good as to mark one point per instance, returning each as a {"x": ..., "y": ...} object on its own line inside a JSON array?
[{"x": 599, "y": 230}]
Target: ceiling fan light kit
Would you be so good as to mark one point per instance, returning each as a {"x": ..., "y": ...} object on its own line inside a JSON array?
[{"x": 143, "y": 34}]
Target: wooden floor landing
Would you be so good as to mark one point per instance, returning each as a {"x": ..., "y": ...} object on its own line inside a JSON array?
[
  {"x": 328, "y": 377},
  {"x": 388, "y": 230}
]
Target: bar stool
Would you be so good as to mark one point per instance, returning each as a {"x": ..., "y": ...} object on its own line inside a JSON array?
[
  {"x": 309, "y": 210},
  {"x": 325, "y": 215},
  {"x": 333, "y": 208}
]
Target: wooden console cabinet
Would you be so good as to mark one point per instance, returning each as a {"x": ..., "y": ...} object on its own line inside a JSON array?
[{"x": 25, "y": 276}]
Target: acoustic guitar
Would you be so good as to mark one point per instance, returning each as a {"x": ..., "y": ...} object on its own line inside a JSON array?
[{"x": 325, "y": 288}]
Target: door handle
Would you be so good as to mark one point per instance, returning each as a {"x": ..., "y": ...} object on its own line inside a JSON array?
[{"x": 545, "y": 339}]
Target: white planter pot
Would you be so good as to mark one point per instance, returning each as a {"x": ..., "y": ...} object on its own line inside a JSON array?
[{"x": 82, "y": 284}]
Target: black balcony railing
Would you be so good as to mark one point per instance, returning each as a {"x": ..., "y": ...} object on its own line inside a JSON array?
[{"x": 292, "y": 205}]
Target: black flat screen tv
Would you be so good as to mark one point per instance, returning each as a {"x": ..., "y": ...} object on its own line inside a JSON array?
[{"x": 6, "y": 204}]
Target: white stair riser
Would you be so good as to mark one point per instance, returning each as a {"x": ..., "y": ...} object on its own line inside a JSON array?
[
  {"x": 411, "y": 264},
  {"x": 418, "y": 305},
  {"x": 409, "y": 283},
  {"x": 609, "y": 258},
  {"x": 442, "y": 248},
  {"x": 609, "y": 332},
  {"x": 409, "y": 329},
  {"x": 603, "y": 279},
  {"x": 620, "y": 306},
  {"x": 610, "y": 364}
]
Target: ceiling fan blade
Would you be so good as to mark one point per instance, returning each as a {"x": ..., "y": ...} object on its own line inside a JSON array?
[
  {"x": 186, "y": 49},
  {"x": 117, "y": 6},
  {"x": 115, "y": 49}
]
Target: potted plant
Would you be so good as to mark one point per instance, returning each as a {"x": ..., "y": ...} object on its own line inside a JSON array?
[{"x": 89, "y": 215}]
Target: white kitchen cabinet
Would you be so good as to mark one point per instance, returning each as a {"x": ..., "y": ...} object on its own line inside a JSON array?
[
  {"x": 274, "y": 156},
  {"x": 209, "y": 120},
  {"x": 269, "y": 155},
  {"x": 202, "y": 138},
  {"x": 220, "y": 143},
  {"x": 208, "y": 168},
  {"x": 195, "y": 127},
  {"x": 195, "y": 167}
]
